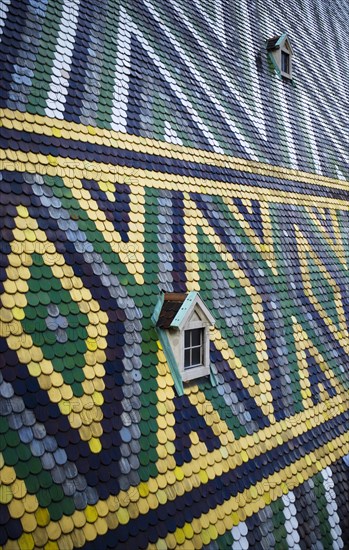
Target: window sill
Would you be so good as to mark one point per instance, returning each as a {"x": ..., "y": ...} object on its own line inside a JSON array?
[{"x": 195, "y": 372}]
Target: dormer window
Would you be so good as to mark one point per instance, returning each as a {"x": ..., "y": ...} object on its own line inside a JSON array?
[
  {"x": 281, "y": 53},
  {"x": 183, "y": 322},
  {"x": 194, "y": 348},
  {"x": 285, "y": 62}
]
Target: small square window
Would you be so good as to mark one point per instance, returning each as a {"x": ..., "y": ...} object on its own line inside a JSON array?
[{"x": 193, "y": 348}]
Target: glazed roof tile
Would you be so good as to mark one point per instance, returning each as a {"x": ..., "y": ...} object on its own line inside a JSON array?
[{"x": 150, "y": 147}]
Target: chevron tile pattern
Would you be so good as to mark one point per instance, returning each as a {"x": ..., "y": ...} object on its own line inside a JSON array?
[{"x": 147, "y": 147}]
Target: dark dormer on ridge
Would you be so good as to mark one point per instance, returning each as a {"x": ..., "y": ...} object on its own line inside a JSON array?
[{"x": 280, "y": 54}]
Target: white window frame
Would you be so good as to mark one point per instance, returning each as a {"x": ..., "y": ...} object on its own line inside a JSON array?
[
  {"x": 288, "y": 52},
  {"x": 190, "y": 373}
]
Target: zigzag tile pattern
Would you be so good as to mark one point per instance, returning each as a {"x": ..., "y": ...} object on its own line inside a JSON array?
[
  {"x": 137, "y": 67},
  {"x": 147, "y": 147}
]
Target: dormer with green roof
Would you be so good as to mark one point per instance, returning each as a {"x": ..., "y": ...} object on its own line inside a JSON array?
[{"x": 281, "y": 54}]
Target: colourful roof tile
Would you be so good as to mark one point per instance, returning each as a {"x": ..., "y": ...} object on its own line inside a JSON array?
[{"x": 149, "y": 147}]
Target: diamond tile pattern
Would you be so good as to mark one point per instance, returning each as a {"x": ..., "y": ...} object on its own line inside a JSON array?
[{"x": 149, "y": 147}]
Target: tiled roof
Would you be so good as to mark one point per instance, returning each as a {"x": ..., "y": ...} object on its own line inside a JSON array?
[
  {"x": 172, "y": 304},
  {"x": 271, "y": 43},
  {"x": 143, "y": 150}
]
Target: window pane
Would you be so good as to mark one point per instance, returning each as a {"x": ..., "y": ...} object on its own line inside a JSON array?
[
  {"x": 193, "y": 348},
  {"x": 196, "y": 337},
  {"x": 285, "y": 62},
  {"x": 196, "y": 356}
]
